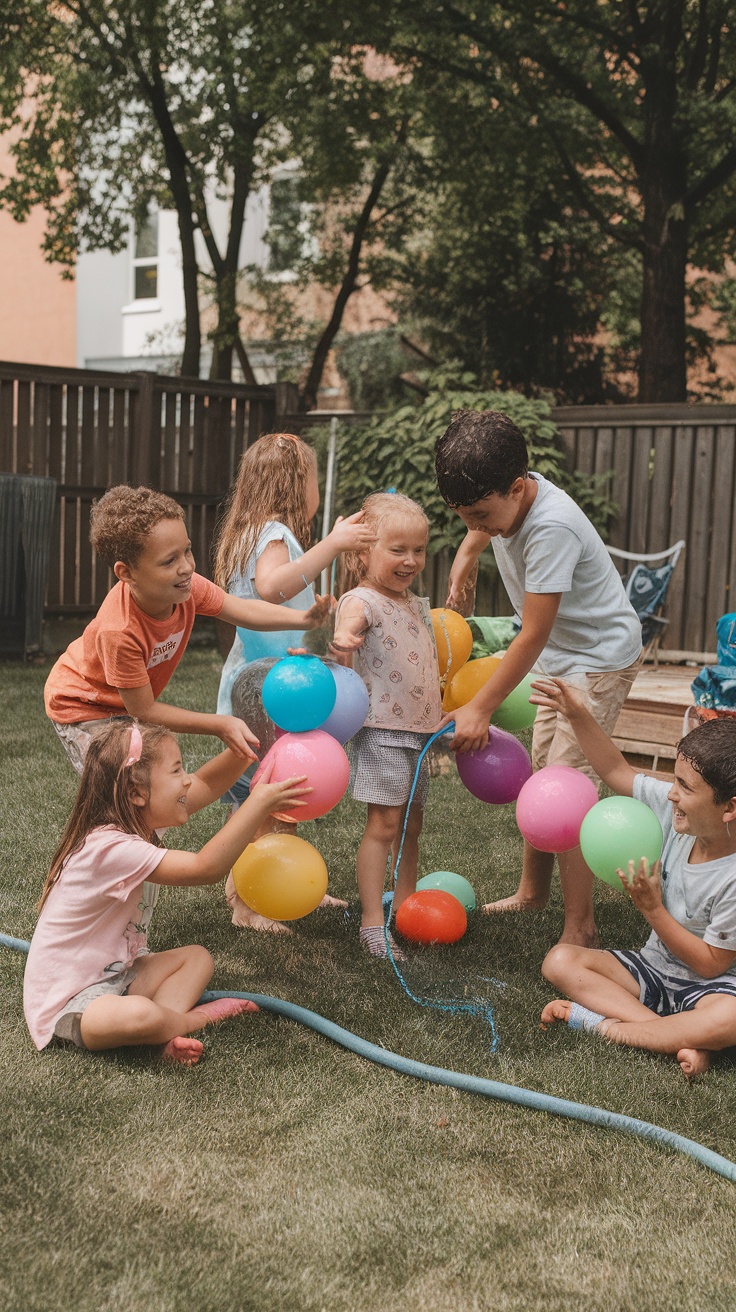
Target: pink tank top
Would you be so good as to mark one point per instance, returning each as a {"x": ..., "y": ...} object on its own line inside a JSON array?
[{"x": 398, "y": 662}]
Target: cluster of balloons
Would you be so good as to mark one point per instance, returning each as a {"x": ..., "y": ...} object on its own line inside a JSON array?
[
  {"x": 558, "y": 809},
  {"x": 497, "y": 772},
  {"x": 312, "y": 709},
  {"x": 438, "y": 911}
]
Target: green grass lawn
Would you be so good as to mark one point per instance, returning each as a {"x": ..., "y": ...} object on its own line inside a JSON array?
[{"x": 286, "y": 1173}]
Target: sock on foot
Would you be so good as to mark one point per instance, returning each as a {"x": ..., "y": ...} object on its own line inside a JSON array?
[
  {"x": 581, "y": 1018},
  {"x": 373, "y": 937}
]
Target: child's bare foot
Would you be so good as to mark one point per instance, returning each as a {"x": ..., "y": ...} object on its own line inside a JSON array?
[
  {"x": 222, "y": 1009},
  {"x": 513, "y": 903},
  {"x": 244, "y": 918},
  {"x": 328, "y": 901},
  {"x": 557, "y": 1009},
  {"x": 183, "y": 1050},
  {"x": 694, "y": 1061}
]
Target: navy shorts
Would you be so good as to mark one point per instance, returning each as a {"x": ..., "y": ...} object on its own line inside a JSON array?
[{"x": 666, "y": 995}]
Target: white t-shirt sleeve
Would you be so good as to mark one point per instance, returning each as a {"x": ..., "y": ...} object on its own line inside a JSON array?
[
  {"x": 550, "y": 557},
  {"x": 721, "y": 932}
]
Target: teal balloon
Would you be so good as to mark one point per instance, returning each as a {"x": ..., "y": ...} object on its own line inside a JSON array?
[
  {"x": 516, "y": 711},
  {"x": 456, "y": 885},
  {"x": 299, "y": 693},
  {"x": 616, "y": 831}
]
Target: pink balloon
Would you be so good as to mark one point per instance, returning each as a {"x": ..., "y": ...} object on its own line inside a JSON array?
[
  {"x": 321, "y": 758},
  {"x": 552, "y": 806}
]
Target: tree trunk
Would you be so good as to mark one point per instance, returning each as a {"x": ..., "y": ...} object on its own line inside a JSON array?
[{"x": 662, "y": 365}]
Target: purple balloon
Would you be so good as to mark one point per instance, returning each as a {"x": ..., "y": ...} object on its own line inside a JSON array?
[
  {"x": 498, "y": 772},
  {"x": 351, "y": 704}
]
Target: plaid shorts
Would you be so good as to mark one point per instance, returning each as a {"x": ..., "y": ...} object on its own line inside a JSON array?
[
  {"x": 666, "y": 995},
  {"x": 383, "y": 764}
]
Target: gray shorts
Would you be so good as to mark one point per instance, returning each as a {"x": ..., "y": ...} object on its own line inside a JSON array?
[
  {"x": 68, "y": 1021},
  {"x": 383, "y": 763},
  {"x": 76, "y": 738}
]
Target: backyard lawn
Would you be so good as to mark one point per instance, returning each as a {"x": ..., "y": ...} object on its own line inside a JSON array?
[{"x": 285, "y": 1173}]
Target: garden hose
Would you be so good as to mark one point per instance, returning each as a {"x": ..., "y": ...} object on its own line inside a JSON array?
[{"x": 529, "y": 1098}]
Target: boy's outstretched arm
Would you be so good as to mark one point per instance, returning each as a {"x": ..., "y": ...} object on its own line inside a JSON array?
[
  {"x": 471, "y": 720},
  {"x": 264, "y": 616},
  {"x": 472, "y": 546},
  {"x": 142, "y": 705},
  {"x": 603, "y": 755}
]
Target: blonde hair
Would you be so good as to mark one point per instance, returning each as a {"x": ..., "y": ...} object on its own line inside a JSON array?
[
  {"x": 378, "y": 508},
  {"x": 105, "y": 794},
  {"x": 271, "y": 483}
]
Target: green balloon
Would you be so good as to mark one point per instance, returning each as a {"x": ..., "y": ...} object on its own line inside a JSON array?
[
  {"x": 616, "y": 831},
  {"x": 456, "y": 885},
  {"x": 515, "y": 711}
]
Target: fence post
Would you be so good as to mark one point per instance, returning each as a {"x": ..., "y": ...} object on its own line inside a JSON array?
[
  {"x": 287, "y": 398},
  {"x": 145, "y": 433}
]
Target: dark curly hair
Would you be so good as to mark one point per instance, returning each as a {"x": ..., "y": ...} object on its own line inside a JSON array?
[
  {"x": 711, "y": 750},
  {"x": 122, "y": 520},
  {"x": 481, "y": 452}
]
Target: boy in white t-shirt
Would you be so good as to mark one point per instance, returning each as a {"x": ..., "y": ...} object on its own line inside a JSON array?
[
  {"x": 677, "y": 995},
  {"x": 576, "y": 620}
]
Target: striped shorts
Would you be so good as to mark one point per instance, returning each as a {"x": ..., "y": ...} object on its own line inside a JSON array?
[{"x": 667, "y": 995}]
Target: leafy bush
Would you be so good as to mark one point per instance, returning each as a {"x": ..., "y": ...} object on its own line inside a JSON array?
[{"x": 397, "y": 450}]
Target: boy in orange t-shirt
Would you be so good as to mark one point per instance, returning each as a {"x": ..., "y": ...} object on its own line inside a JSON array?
[{"x": 129, "y": 651}]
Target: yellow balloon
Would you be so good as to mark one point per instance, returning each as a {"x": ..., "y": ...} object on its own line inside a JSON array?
[
  {"x": 281, "y": 876},
  {"x": 454, "y": 640},
  {"x": 468, "y": 681}
]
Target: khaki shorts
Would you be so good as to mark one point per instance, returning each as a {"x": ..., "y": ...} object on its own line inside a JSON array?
[
  {"x": 76, "y": 738},
  {"x": 553, "y": 740}
]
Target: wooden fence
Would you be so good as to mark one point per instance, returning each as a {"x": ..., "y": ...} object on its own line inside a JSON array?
[
  {"x": 89, "y": 430},
  {"x": 673, "y": 471}
]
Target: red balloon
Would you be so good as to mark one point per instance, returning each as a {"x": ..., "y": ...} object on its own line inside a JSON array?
[{"x": 431, "y": 916}]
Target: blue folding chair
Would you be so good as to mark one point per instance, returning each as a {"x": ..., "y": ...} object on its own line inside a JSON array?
[{"x": 646, "y": 587}]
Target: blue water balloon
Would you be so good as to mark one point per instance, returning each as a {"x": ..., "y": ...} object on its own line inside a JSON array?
[{"x": 299, "y": 693}]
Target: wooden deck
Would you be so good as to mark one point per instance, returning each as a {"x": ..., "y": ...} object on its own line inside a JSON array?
[{"x": 652, "y": 717}]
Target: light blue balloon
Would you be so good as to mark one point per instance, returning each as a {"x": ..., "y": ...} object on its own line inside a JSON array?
[
  {"x": 351, "y": 705},
  {"x": 299, "y": 693}
]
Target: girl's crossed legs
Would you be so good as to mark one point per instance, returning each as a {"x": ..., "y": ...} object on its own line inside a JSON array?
[{"x": 159, "y": 1007}]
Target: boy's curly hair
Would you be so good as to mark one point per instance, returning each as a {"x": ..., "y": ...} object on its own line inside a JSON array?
[
  {"x": 122, "y": 520},
  {"x": 481, "y": 452}
]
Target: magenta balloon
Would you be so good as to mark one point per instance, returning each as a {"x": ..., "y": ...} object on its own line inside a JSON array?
[
  {"x": 321, "y": 758},
  {"x": 552, "y": 806},
  {"x": 498, "y": 771}
]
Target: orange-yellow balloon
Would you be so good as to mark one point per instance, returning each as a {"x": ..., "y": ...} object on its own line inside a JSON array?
[
  {"x": 454, "y": 640},
  {"x": 468, "y": 681},
  {"x": 281, "y": 876}
]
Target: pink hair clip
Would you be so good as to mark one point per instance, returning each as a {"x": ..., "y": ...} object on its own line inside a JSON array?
[{"x": 136, "y": 747}]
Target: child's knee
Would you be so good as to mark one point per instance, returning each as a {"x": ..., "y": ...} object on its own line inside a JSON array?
[
  {"x": 558, "y": 961},
  {"x": 201, "y": 960}
]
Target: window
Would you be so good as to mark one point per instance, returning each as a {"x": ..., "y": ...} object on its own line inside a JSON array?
[
  {"x": 145, "y": 258},
  {"x": 286, "y": 228}
]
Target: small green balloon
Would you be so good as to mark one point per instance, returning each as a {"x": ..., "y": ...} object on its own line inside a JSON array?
[
  {"x": 516, "y": 711},
  {"x": 616, "y": 831},
  {"x": 456, "y": 885}
]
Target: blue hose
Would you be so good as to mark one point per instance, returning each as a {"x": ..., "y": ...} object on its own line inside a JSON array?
[{"x": 541, "y": 1102}]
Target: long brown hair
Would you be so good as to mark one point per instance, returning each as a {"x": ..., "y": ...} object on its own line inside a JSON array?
[
  {"x": 105, "y": 794},
  {"x": 271, "y": 483}
]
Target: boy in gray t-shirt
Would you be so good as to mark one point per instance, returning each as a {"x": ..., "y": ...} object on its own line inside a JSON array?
[
  {"x": 678, "y": 993},
  {"x": 576, "y": 620}
]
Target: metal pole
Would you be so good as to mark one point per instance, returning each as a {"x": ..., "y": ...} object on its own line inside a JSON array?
[{"x": 324, "y": 585}]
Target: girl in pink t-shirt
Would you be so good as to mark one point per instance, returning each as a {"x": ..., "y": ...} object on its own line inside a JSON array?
[
  {"x": 89, "y": 977},
  {"x": 387, "y": 631}
]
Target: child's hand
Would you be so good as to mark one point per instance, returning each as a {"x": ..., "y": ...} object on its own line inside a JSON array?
[
  {"x": 558, "y": 696},
  {"x": 644, "y": 888},
  {"x": 317, "y": 614},
  {"x": 471, "y": 728},
  {"x": 237, "y": 736},
  {"x": 274, "y": 796},
  {"x": 351, "y": 534}
]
